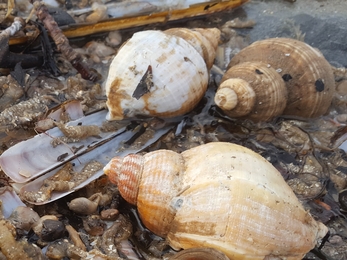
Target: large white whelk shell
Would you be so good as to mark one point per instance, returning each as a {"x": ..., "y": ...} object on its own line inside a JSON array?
[
  {"x": 217, "y": 195},
  {"x": 167, "y": 73}
]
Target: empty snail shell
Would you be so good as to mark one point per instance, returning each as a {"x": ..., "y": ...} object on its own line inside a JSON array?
[
  {"x": 307, "y": 74},
  {"x": 160, "y": 73},
  {"x": 218, "y": 195},
  {"x": 252, "y": 90}
]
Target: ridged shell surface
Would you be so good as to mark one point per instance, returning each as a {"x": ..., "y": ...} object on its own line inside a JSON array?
[
  {"x": 308, "y": 76},
  {"x": 268, "y": 91},
  {"x": 224, "y": 196},
  {"x": 205, "y": 41},
  {"x": 173, "y": 74}
]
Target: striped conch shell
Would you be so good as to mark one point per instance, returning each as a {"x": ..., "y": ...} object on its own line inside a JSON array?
[
  {"x": 218, "y": 195},
  {"x": 306, "y": 73},
  {"x": 160, "y": 73}
]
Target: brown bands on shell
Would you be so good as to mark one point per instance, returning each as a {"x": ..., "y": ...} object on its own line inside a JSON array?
[
  {"x": 223, "y": 196},
  {"x": 307, "y": 74},
  {"x": 128, "y": 182},
  {"x": 260, "y": 90}
]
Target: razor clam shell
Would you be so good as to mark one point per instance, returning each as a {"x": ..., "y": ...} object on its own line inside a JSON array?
[
  {"x": 73, "y": 108},
  {"x": 343, "y": 146},
  {"x": 103, "y": 154},
  {"x": 9, "y": 201},
  {"x": 33, "y": 157}
]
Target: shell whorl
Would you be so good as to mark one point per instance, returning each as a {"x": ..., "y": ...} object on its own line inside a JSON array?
[
  {"x": 307, "y": 74},
  {"x": 126, "y": 173},
  {"x": 261, "y": 92},
  {"x": 236, "y": 96},
  {"x": 205, "y": 41},
  {"x": 223, "y": 196}
]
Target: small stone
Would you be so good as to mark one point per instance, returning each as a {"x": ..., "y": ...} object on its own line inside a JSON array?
[{"x": 109, "y": 214}]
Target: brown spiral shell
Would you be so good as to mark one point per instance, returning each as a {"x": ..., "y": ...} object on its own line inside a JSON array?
[
  {"x": 252, "y": 90},
  {"x": 307, "y": 74}
]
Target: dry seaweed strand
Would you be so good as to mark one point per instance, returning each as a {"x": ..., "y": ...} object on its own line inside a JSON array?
[
  {"x": 62, "y": 42},
  {"x": 10, "y": 59}
]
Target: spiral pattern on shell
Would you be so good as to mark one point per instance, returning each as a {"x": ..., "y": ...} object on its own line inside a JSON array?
[
  {"x": 222, "y": 196},
  {"x": 252, "y": 90},
  {"x": 307, "y": 74}
]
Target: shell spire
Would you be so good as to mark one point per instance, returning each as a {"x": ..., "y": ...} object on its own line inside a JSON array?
[
  {"x": 205, "y": 41},
  {"x": 252, "y": 90},
  {"x": 126, "y": 173},
  {"x": 307, "y": 74}
]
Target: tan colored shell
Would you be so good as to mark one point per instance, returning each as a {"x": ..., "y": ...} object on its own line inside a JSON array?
[
  {"x": 217, "y": 195},
  {"x": 307, "y": 74},
  {"x": 205, "y": 41},
  {"x": 252, "y": 90},
  {"x": 159, "y": 73}
]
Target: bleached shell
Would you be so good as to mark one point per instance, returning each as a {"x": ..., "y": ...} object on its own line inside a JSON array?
[
  {"x": 261, "y": 91},
  {"x": 224, "y": 196},
  {"x": 205, "y": 41},
  {"x": 308, "y": 76},
  {"x": 180, "y": 76}
]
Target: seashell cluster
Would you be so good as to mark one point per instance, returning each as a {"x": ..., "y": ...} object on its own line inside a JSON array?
[
  {"x": 218, "y": 195},
  {"x": 160, "y": 73},
  {"x": 260, "y": 96}
]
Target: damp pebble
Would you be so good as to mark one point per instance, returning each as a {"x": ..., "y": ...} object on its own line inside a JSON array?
[
  {"x": 99, "y": 13},
  {"x": 114, "y": 39},
  {"x": 335, "y": 240},
  {"x": 109, "y": 214},
  {"x": 52, "y": 230},
  {"x": 24, "y": 218},
  {"x": 94, "y": 225}
]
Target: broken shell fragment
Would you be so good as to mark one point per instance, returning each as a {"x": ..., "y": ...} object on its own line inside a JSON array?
[
  {"x": 307, "y": 74},
  {"x": 218, "y": 195},
  {"x": 252, "y": 90},
  {"x": 160, "y": 73}
]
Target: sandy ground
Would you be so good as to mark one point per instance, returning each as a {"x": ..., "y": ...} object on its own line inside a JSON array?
[{"x": 324, "y": 23}]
